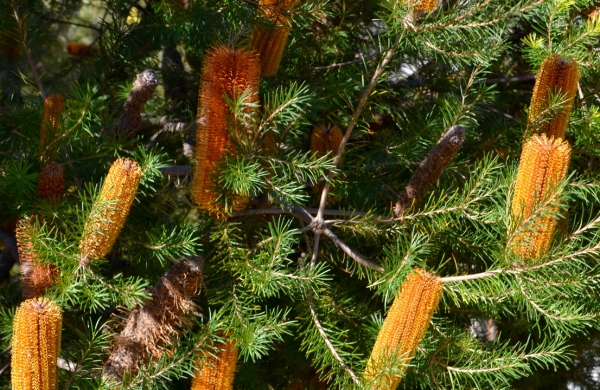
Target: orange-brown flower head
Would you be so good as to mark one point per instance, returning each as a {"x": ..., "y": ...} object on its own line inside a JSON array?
[
  {"x": 217, "y": 372},
  {"x": 544, "y": 163},
  {"x": 36, "y": 277},
  {"x": 51, "y": 182},
  {"x": 226, "y": 71},
  {"x": 556, "y": 76},
  {"x": 403, "y": 329},
  {"x": 77, "y": 49},
  {"x": 110, "y": 211},
  {"x": 54, "y": 106},
  {"x": 269, "y": 41},
  {"x": 325, "y": 138},
  {"x": 36, "y": 345}
]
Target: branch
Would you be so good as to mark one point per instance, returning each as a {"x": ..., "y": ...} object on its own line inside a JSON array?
[{"x": 350, "y": 252}]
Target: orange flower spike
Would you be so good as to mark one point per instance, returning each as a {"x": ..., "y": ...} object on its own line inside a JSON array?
[
  {"x": 555, "y": 76},
  {"x": 218, "y": 372},
  {"x": 225, "y": 71},
  {"x": 35, "y": 276},
  {"x": 36, "y": 345},
  {"x": 325, "y": 138},
  {"x": 54, "y": 106},
  {"x": 51, "y": 182},
  {"x": 426, "y": 5},
  {"x": 110, "y": 211},
  {"x": 544, "y": 163},
  {"x": 404, "y": 327},
  {"x": 270, "y": 43}
]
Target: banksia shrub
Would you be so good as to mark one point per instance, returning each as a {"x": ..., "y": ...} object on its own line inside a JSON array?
[
  {"x": 110, "y": 211},
  {"x": 36, "y": 345},
  {"x": 36, "y": 277},
  {"x": 555, "y": 76},
  {"x": 403, "y": 328},
  {"x": 430, "y": 168},
  {"x": 54, "y": 106},
  {"x": 51, "y": 182},
  {"x": 142, "y": 90},
  {"x": 544, "y": 163},
  {"x": 230, "y": 72},
  {"x": 217, "y": 372},
  {"x": 151, "y": 327},
  {"x": 269, "y": 42}
]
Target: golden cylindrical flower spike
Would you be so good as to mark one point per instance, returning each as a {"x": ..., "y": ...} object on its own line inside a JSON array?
[
  {"x": 269, "y": 43},
  {"x": 218, "y": 372},
  {"x": 424, "y": 5},
  {"x": 110, "y": 211},
  {"x": 555, "y": 76},
  {"x": 35, "y": 276},
  {"x": 36, "y": 345},
  {"x": 403, "y": 328},
  {"x": 226, "y": 71},
  {"x": 544, "y": 163},
  {"x": 54, "y": 106}
]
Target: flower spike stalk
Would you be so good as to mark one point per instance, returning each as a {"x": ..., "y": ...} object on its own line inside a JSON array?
[
  {"x": 269, "y": 43},
  {"x": 110, "y": 211},
  {"x": 54, "y": 107},
  {"x": 218, "y": 372},
  {"x": 544, "y": 163},
  {"x": 403, "y": 329},
  {"x": 226, "y": 71},
  {"x": 36, "y": 345},
  {"x": 555, "y": 76}
]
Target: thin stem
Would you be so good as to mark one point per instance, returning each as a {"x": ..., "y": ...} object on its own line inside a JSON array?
[{"x": 351, "y": 252}]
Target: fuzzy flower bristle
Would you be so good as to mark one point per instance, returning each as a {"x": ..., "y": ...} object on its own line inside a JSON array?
[
  {"x": 36, "y": 345},
  {"x": 403, "y": 328},
  {"x": 51, "y": 182},
  {"x": 270, "y": 43},
  {"x": 54, "y": 107},
  {"x": 110, "y": 211},
  {"x": 544, "y": 163},
  {"x": 555, "y": 76},
  {"x": 226, "y": 71},
  {"x": 35, "y": 276},
  {"x": 217, "y": 372}
]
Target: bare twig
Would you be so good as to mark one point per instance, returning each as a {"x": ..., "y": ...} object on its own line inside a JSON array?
[{"x": 351, "y": 252}]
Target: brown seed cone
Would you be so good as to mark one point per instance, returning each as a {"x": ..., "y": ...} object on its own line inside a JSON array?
[
  {"x": 110, "y": 211},
  {"x": 51, "y": 183},
  {"x": 150, "y": 328},
  {"x": 555, "y": 76},
  {"x": 142, "y": 90},
  {"x": 225, "y": 71},
  {"x": 269, "y": 43},
  {"x": 217, "y": 372},
  {"x": 544, "y": 163},
  {"x": 35, "y": 276},
  {"x": 36, "y": 345},
  {"x": 403, "y": 328},
  {"x": 54, "y": 106},
  {"x": 431, "y": 168}
]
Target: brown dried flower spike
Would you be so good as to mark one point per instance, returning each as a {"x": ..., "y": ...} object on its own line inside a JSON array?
[
  {"x": 269, "y": 43},
  {"x": 557, "y": 76},
  {"x": 51, "y": 182},
  {"x": 403, "y": 328},
  {"x": 53, "y": 109},
  {"x": 110, "y": 211},
  {"x": 35, "y": 276},
  {"x": 218, "y": 372},
  {"x": 544, "y": 163},
  {"x": 36, "y": 345},
  {"x": 225, "y": 71}
]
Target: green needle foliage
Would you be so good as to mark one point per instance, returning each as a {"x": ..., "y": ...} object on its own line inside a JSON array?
[{"x": 307, "y": 255}]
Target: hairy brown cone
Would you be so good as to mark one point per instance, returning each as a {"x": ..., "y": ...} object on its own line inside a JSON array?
[
  {"x": 36, "y": 277},
  {"x": 150, "y": 328},
  {"x": 142, "y": 90},
  {"x": 269, "y": 42},
  {"x": 51, "y": 182},
  {"x": 430, "y": 168},
  {"x": 230, "y": 72},
  {"x": 217, "y": 372}
]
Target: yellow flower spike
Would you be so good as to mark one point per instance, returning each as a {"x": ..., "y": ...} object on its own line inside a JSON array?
[
  {"x": 403, "y": 328},
  {"x": 35, "y": 276},
  {"x": 110, "y": 211},
  {"x": 218, "y": 372},
  {"x": 426, "y": 5},
  {"x": 36, "y": 345},
  {"x": 270, "y": 43},
  {"x": 544, "y": 163},
  {"x": 225, "y": 71},
  {"x": 54, "y": 106},
  {"x": 555, "y": 76}
]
